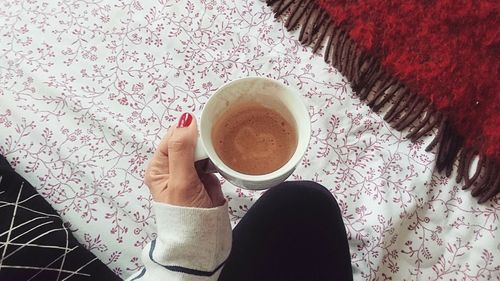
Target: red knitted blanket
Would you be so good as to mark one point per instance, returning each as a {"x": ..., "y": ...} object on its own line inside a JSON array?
[{"x": 429, "y": 64}]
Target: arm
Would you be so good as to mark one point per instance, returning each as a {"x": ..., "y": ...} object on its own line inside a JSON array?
[{"x": 194, "y": 232}]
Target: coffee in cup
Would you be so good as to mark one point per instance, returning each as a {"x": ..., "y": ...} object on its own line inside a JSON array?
[{"x": 254, "y": 139}]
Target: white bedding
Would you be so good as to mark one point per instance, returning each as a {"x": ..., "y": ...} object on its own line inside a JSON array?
[{"x": 88, "y": 88}]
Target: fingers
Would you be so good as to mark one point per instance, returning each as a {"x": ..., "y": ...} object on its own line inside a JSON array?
[
  {"x": 181, "y": 148},
  {"x": 213, "y": 188},
  {"x": 157, "y": 171},
  {"x": 160, "y": 157}
]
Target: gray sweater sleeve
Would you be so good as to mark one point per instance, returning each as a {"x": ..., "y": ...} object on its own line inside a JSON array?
[{"x": 192, "y": 244}]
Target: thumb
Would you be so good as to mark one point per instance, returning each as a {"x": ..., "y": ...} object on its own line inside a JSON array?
[{"x": 181, "y": 148}]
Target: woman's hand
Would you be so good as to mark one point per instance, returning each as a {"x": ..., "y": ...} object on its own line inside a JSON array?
[{"x": 171, "y": 175}]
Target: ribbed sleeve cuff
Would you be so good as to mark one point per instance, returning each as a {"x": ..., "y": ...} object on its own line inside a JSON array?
[{"x": 193, "y": 238}]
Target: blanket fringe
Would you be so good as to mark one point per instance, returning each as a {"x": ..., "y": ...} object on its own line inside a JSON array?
[{"x": 371, "y": 82}]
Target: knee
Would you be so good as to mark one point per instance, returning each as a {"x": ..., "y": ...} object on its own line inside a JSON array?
[
  {"x": 307, "y": 192},
  {"x": 307, "y": 187}
]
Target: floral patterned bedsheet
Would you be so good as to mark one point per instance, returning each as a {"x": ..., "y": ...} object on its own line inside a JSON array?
[{"x": 88, "y": 88}]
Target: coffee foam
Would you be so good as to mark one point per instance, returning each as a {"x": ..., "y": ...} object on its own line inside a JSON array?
[{"x": 254, "y": 139}]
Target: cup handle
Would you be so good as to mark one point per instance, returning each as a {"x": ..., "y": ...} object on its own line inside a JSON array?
[{"x": 201, "y": 161}]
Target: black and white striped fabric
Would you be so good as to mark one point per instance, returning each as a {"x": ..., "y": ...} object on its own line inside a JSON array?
[{"x": 35, "y": 244}]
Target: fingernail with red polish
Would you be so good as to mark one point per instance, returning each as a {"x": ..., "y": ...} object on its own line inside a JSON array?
[{"x": 185, "y": 120}]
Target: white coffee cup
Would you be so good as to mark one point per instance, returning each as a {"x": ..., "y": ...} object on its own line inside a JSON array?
[{"x": 270, "y": 93}]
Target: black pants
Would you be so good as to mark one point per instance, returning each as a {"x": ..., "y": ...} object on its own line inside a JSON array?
[{"x": 293, "y": 232}]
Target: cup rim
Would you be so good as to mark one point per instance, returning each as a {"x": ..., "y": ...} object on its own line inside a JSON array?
[{"x": 289, "y": 165}]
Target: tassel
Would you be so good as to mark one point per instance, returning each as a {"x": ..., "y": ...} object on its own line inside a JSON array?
[
  {"x": 429, "y": 126},
  {"x": 296, "y": 14},
  {"x": 469, "y": 181},
  {"x": 384, "y": 86},
  {"x": 371, "y": 84},
  {"x": 456, "y": 143},
  {"x": 412, "y": 115},
  {"x": 461, "y": 164},
  {"x": 439, "y": 135},
  {"x": 400, "y": 95},
  {"x": 493, "y": 189},
  {"x": 323, "y": 30},
  {"x": 481, "y": 184},
  {"x": 337, "y": 45},
  {"x": 394, "y": 88},
  {"x": 333, "y": 33}
]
